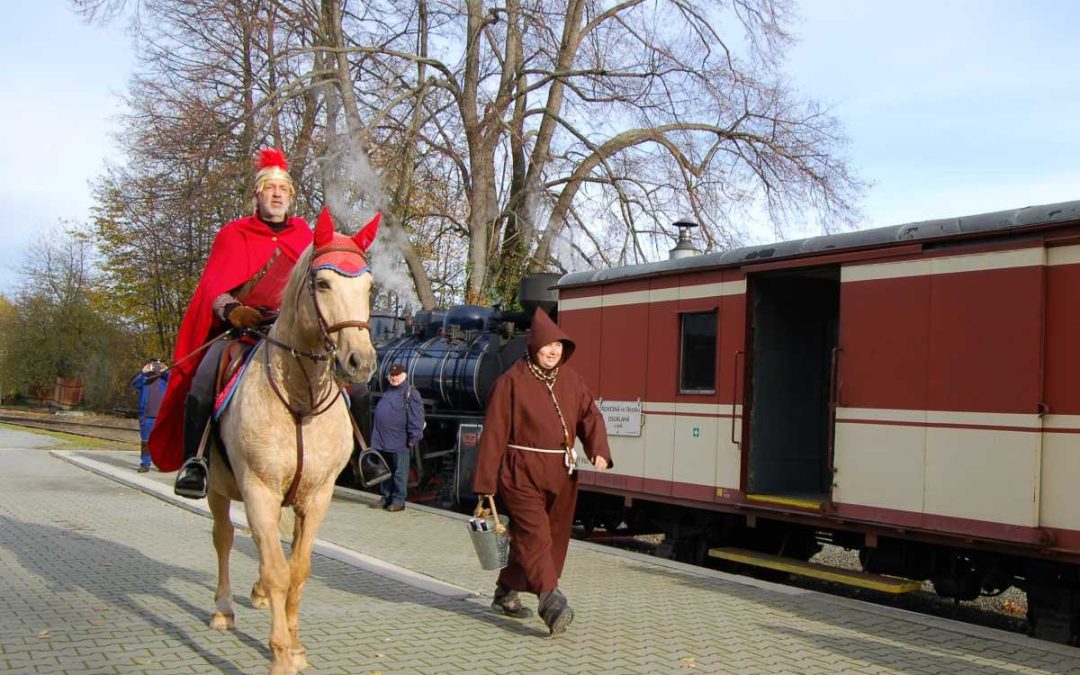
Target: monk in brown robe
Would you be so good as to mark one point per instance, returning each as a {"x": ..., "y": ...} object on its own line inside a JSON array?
[{"x": 527, "y": 454}]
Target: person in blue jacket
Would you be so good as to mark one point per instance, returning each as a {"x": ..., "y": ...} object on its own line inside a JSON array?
[
  {"x": 397, "y": 425},
  {"x": 150, "y": 383}
]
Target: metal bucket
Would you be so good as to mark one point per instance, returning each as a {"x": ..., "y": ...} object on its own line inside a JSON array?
[{"x": 492, "y": 547}]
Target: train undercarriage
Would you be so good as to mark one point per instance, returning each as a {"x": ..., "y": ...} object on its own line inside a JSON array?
[{"x": 955, "y": 572}]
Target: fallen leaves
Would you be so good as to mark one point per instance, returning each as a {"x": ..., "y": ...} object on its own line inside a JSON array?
[{"x": 1014, "y": 607}]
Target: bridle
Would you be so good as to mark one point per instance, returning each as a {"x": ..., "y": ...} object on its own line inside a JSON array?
[
  {"x": 327, "y": 331},
  {"x": 332, "y": 393}
]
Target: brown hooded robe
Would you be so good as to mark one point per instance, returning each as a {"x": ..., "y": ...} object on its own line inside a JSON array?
[{"x": 538, "y": 492}]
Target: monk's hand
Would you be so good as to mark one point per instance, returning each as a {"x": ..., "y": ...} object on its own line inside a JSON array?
[
  {"x": 480, "y": 511},
  {"x": 600, "y": 462},
  {"x": 242, "y": 316}
]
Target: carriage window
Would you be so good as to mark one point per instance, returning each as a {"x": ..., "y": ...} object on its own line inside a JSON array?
[{"x": 697, "y": 369}]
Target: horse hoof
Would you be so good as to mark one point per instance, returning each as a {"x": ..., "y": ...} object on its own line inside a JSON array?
[
  {"x": 259, "y": 599},
  {"x": 299, "y": 658},
  {"x": 222, "y": 621},
  {"x": 290, "y": 665}
]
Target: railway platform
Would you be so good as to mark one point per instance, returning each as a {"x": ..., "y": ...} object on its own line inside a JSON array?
[{"x": 105, "y": 571}]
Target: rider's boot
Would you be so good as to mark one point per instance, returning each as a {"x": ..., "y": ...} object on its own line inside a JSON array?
[{"x": 192, "y": 478}]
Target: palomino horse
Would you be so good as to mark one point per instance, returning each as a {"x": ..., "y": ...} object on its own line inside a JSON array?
[{"x": 287, "y": 431}]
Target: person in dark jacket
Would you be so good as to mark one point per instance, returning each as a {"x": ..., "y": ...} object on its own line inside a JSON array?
[
  {"x": 397, "y": 425},
  {"x": 527, "y": 454},
  {"x": 150, "y": 382}
]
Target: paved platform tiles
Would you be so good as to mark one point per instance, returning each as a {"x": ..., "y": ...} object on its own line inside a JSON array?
[{"x": 101, "y": 577}]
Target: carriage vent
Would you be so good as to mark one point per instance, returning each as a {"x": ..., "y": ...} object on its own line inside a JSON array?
[{"x": 684, "y": 248}]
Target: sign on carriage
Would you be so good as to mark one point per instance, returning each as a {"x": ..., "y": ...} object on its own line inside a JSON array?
[{"x": 623, "y": 418}]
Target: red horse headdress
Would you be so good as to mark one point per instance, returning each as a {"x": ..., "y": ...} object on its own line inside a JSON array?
[{"x": 339, "y": 252}]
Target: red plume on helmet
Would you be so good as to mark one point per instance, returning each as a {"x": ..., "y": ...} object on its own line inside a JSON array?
[
  {"x": 336, "y": 251},
  {"x": 272, "y": 157},
  {"x": 272, "y": 165}
]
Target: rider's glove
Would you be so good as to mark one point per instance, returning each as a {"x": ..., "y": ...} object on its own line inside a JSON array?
[{"x": 242, "y": 316}]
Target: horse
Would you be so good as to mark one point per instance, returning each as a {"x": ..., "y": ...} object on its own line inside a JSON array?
[{"x": 286, "y": 431}]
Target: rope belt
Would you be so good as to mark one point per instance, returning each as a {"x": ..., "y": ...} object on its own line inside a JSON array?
[{"x": 569, "y": 455}]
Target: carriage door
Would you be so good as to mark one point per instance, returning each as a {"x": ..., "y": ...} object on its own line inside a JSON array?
[{"x": 794, "y": 318}]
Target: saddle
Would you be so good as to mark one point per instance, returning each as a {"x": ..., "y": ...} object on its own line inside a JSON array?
[
  {"x": 230, "y": 368},
  {"x": 232, "y": 358}
]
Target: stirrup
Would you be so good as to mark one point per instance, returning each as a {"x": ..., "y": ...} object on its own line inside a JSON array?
[{"x": 191, "y": 479}]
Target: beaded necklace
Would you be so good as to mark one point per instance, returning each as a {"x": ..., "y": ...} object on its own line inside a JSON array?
[{"x": 547, "y": 377}]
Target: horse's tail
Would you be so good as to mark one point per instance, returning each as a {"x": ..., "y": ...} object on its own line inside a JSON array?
[{"x": 287, "y": 524}]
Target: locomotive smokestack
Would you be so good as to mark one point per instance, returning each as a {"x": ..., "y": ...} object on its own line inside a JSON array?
[
  {"x": 537, "y": 290},
  {"x": 684, "y": 248}
]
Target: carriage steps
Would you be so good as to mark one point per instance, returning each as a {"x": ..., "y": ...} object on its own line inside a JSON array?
[{"x": 875, "y": 582}]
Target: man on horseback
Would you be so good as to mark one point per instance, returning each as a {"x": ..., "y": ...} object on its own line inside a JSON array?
[{"x": 246, "y": 254}]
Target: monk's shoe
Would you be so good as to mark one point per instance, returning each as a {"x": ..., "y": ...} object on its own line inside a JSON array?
[{"x": 510, "y": 605}]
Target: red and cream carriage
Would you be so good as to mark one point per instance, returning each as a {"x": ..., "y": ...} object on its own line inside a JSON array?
[{"x": 910, "y": 391}]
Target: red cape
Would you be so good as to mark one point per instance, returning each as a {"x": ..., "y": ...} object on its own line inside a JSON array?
[{"x": 240, "y": 250}]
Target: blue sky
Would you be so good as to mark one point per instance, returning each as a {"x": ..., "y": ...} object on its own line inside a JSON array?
[
  {"x": 61, "y": 84},
  {"x": 952, "y": 107}
]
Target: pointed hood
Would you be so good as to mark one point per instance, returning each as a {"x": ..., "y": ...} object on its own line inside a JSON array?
[{"x": 544, "y": 331}]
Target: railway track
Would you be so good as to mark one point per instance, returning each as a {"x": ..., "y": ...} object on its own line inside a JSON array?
[
  {"x": 118, "y": 431},
  {"x": 1006, "y": 612}
]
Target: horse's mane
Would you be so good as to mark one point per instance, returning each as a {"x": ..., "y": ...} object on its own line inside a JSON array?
[{"x": 290, "y": 299}]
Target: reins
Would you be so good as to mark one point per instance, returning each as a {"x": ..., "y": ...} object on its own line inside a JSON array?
[{"x": 195, "y": 351}]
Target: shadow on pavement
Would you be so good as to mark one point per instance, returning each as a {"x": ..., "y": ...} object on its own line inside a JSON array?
[
  {"x": 895, "y": 648},
  {"x": 95, "y": 566}
]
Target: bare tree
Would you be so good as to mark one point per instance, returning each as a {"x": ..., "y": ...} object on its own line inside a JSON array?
[
  {"x": 577, "y": 120},
  {"x": 199, "y": 108}
]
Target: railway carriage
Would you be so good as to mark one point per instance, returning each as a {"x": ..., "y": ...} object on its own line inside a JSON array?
[{"x": 911, "y": 391}]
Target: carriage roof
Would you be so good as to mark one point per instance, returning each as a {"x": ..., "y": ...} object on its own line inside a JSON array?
[{"x": 998, "y": 221}]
